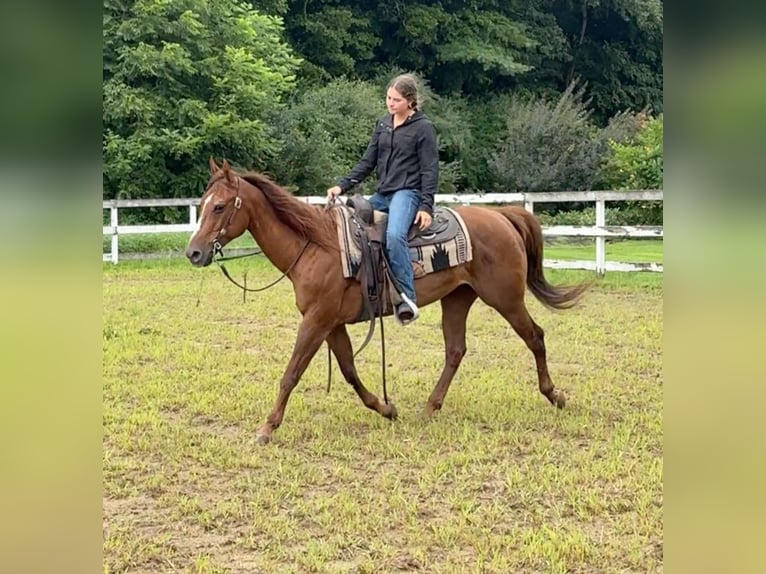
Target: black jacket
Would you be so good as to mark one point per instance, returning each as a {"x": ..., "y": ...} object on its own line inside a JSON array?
[{"x": 403, "y": 158}]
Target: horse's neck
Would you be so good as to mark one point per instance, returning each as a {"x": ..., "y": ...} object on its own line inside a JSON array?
[{"x": 277, "y": 240}]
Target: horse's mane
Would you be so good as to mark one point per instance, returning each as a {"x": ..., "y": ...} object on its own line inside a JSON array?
[{"x": 308, "y": 221}]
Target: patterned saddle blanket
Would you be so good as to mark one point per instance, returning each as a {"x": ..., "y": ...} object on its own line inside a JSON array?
[{"x": 444, "y": 244}]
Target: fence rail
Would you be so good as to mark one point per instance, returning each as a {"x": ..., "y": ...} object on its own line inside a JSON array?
[{"x": 600, "y": 231}]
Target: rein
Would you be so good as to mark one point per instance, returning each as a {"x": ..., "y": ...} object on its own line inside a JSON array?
[
  {"x": 247, "y": 289},
  {"x": 230, "y": 257}
]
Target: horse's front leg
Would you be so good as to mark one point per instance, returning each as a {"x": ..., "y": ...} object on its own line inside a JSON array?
[{"x": 311, "y": 333}]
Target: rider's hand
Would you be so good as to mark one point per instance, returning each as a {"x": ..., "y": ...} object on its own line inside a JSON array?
[
  {"x": 333, "y": 192},
  {"x": 423, "y": 220}
]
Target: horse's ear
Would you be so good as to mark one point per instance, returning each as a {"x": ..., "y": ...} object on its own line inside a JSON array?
[
  {"x": 213, "y": 166},
  {"x": 226, "y": 170}
]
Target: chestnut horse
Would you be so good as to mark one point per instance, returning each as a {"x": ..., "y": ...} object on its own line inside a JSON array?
[{"x": 301, "y": 240}]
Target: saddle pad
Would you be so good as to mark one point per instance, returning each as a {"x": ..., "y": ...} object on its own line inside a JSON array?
[{"x": 448, "y": 247}]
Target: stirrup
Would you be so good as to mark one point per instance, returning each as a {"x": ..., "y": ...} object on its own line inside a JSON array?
[{"x": 407, "y": 308}]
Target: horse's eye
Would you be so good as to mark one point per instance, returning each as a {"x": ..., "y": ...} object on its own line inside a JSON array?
[{"x": 218, "y": 208}]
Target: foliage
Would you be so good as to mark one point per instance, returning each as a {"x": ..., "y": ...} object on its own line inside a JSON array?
[
  {"x": 338, "y": 37},
  {"x": 637, "y": 164},
  {"x": 474, "y": 128},
  {"x": 623, "y": 213},
  {"x": 550, "y": 146},
  {"x": 454, "y": 45},
  {"x": 535, "y": 47},
  {"x": 270, "y": 7},
  {"x": 326, "y": 131},
  {"x": 613, "y": 45},
  {"x": 187, "y": 79},
  {"x": 184, "y": 80}
]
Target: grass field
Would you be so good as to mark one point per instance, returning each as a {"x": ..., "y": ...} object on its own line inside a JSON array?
[{"x": 498, "y": 482}]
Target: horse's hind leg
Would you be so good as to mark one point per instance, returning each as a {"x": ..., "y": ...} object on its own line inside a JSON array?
[
  {"x": 455, "y": 307},
  {"x": 341, "y": 347},
  {"x": 533, "y": 335}
]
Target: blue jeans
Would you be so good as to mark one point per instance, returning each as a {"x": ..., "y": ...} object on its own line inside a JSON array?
[{"x": 401, "y": 206}]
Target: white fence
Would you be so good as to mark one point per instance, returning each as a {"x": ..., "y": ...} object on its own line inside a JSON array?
[{"x": 600, "y": 231}]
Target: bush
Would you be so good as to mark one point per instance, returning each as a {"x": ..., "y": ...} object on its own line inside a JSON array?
[
  {"x": 637, "y": 164},
  {"x": 486, "y": 118},
  {"x": 453, "y": 134},
  {"x": 548, "y": 146},
  {"x": 325, "y": 131},
  {"x": 625, "y": 214}
]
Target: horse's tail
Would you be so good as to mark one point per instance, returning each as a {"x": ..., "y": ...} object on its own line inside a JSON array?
[{"x": 552, "y": 296}]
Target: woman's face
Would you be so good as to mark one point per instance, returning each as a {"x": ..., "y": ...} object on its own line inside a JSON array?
[{"x": 396, "y": 103}]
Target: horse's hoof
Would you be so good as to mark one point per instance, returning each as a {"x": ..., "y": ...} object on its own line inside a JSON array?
[
  {"x": 558, "y": 398},
  {"x": 429, "y": 412},
  {"x": 389, "y": 411},
  {"x": 262, "y": 439}
]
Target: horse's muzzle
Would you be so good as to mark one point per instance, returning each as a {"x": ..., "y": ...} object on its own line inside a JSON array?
[{"x": 199, "y": 258}]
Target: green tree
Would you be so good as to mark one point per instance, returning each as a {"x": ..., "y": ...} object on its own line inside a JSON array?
[
  {"x": 455, "y": 44},
  {"x": 184, "y": 80},
  {"x": 615, "y": 46},
  {"x": 334, "y": 40},
  {"x": 460, "y": 47},
  {"x": 484, "y": 47}
]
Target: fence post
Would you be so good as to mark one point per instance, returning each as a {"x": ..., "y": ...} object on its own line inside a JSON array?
[
  {"x": 192, "y": 215},
  {"x": 529, "y": 205},
  {"x": 115, "y": 237},
  {"x": 600, "y": 240}
]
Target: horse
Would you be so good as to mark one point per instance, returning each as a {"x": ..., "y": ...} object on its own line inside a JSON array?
[{"x": 302, "y": 242}]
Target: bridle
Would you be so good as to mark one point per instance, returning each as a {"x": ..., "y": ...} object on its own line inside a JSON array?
[
  {"x": 218, "y": 255},
  {"x": 217, "y": 247}
]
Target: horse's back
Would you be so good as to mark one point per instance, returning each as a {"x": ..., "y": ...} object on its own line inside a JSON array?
[{"x": 486, "y": 224}]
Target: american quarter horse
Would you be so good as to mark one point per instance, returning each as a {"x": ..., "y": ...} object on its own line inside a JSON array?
[{"x": 301, "y": 240}]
